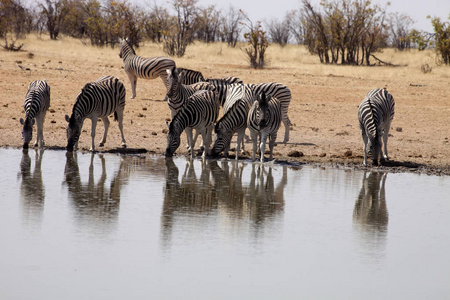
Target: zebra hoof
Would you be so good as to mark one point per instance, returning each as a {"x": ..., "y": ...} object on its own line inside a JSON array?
[
  {"x": 35, "y": 145},
  {"x": 132, "y": 97},
  {"x": 124, "y": 145},
  {"x": 101, "y": 144}
]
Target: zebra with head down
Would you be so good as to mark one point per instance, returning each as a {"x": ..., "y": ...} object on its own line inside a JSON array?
[
  {"x": 97, "y": 99},
  {"x": 375, "y": 114},
  {"x": 199, "y": 113},
  {"x": 37, "y": 102}
]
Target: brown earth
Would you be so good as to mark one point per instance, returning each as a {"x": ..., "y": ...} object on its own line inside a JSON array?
[{"x": 323, "y": 109}]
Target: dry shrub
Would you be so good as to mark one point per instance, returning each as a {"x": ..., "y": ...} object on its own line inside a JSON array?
[{"x": 425, "y": 68}]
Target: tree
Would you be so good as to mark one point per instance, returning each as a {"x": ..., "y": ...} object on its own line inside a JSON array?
[
  {"x": 54, "y": 12},
  {"x": 346, "y": 32},
  {"x": 400, "y": 28},
  {"x": 156, "y": 22},
  {"x": 181, "y": 31},
  {"x": 207, "y": 24},
  {"x": 279, "y": 31},
  {"x": 442, "y": 40},
  {"x": 231, "y": 26},
  {"x": 14, "y": 23},
  {"x": 256, "y": 44}
]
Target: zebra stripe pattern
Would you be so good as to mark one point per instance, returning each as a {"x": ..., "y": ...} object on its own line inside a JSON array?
[
  {"x": 37, "y": 102},
  {"x": 148, "y": 68},
  {"x": 237, "y": 105},
  {"x": 200, "y": 113},
  {"x": 375, "y": 114},
  {"x": 264, "y": 119},
  {"x": 178, "y": 93},
  {"x": 97, "y": 99},
  {"x": 190, "y": 76},
  {"x": 283, "y": 94}
]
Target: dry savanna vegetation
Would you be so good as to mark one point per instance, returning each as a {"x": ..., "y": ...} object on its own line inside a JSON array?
[{"x": 323, "y": 108}]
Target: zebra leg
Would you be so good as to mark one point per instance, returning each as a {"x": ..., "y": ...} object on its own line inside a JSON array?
[
  {"x": 254, "y": 138},
  {"x": 365, "y": 140},
  {"x": 190, "y": 140},
  {"x": 272, "y": 139},
  {"x": 240, "y": 140},
  {"x": 262, "y": 146},
  {"x": 120, "y": 123},
  {"x": 385, "y": 140},
  {"x": 205, "y": 141},
  {"x": 106, "y": 124},
  {"x": 40, "y": 131},
  {"x": 287, "y": 125},
  {"x": 133, "y": 81},
  {"x": 94, "y": 126}
]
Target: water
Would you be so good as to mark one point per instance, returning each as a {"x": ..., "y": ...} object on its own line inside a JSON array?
[{"x": 112, "y": 227}]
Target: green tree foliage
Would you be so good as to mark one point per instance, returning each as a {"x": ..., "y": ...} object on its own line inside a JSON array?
[{"x": 442, "y": 40}]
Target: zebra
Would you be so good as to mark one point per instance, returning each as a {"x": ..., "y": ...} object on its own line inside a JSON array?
[
  {"x": 148, "y": 68},
  {"x": 97, "y": 99},
  {"x": 234, "y": 119},
  {"x": 375, "y": 114},
  {"x": 264, "y": 119},
  {"x": 179, "y": 93},
  {"x": 190, "y": 76},
  {"x": 283, "y": 94},
  {"x": 222, "y": 86},
  {"x": 37, "y": 102},
  {"x": 200, "y": 113}
]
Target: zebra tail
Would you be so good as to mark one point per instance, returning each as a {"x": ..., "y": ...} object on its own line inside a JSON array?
[{"x": 115, "y": 116}]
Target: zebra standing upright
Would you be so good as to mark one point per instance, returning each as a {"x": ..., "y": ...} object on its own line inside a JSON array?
[
  {"x": 283, "y": 94},
  {"x": 97, "y": 99},
  {"x": 264, "y": 119},
  {"x": 37, "y": 102},
  {"x": 375, "y": 114},
  {"x": 148, "y": 68},
  {"x": 200, "y": 113},
  {"x": 238, "y": 102}
]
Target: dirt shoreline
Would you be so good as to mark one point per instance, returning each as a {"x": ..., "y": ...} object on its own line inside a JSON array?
[
  {"x": 323, "y": 109},
  {"x": 337, "y": 163}
]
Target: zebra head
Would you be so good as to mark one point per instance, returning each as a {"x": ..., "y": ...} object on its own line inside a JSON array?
[
  {"x": 73, "y": 130},
  {"x": 174, "y": 81},
  {"x": 125, "y": 48},
  {"x": 222, "y": 139},
  {"x": 173, "y": 140},
  {"x": 27, "y": 130},
  {"x": 261, "y": 109}
]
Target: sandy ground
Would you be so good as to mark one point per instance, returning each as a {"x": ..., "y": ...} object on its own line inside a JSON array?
[{"x": 323, "y": 109}]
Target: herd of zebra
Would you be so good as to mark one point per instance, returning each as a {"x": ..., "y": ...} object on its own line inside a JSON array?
[{"x": 194, "y": 104}]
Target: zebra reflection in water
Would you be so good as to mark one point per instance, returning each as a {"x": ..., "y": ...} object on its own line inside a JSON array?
[
  {"x": 370, "y": 215},
  {"x": 93, "y": 202},
  {"x": 219, "y": 194},
  {"x": 32, "y": 187}
]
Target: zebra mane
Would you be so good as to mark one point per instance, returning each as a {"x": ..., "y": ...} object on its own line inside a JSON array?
[
  {"x": 375, "y": 136},
  {"x": 128, "y": 45}
]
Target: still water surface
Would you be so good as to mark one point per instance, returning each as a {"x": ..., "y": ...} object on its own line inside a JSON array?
[{"x": 92, "y": 226}]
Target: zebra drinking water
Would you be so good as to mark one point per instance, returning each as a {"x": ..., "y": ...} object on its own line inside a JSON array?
[
  {"x": 37, "y": 102},
  {"x": 200, "y": 113},
  {"x": 264, "y": 119},
  {"x": 375, "y": 114},
  {"x": 148, "y": 68},
  {"x": 238, "y": 102},
  {"x": 97, "y": 99}
]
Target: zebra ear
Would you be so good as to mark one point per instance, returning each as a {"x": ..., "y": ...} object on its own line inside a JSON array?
[
  {"x": 22, "y": 121},
  {"x": 67, "y": 118}
]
